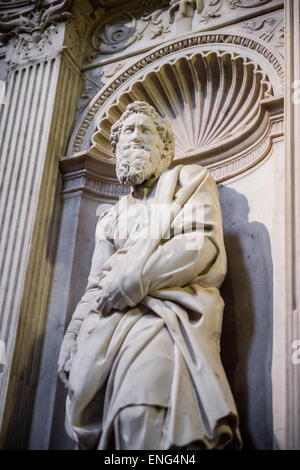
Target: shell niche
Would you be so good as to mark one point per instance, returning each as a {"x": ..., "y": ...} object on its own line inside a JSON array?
[{"x": 213, "y": 100}]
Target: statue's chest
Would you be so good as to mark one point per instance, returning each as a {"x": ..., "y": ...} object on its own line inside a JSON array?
[{"x": 134, "y": 222}]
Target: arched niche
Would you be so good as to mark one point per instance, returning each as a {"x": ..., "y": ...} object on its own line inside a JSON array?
[{"x": 222, "y": 93}]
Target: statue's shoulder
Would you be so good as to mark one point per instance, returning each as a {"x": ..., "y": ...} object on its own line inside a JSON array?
[{"x": 192, "y": 172}]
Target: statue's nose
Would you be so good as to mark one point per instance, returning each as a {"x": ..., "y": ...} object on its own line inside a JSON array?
[{"x": 136, "y": 136}]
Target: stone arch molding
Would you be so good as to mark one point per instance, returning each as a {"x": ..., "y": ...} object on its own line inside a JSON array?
[{"x": 222, "y": 93}]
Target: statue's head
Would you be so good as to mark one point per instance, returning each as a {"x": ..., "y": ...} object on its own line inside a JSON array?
[{"x": 143, "y": 144}]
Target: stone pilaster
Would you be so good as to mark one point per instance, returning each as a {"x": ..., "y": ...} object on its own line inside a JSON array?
[
  {"x": 287, "y": 371},
  {"x": 42, "y": 90}
]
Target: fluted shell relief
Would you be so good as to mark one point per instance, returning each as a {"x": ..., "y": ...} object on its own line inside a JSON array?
[{"x": 209, "y": 98}]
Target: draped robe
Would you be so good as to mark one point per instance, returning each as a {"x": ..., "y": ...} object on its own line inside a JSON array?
[{"x": 164, "y": 348}]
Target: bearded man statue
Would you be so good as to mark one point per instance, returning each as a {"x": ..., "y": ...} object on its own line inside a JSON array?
[{"x": 141, "y": 356}]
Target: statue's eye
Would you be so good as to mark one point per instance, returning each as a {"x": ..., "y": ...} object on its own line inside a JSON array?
[{"x": 128, "y": 130}]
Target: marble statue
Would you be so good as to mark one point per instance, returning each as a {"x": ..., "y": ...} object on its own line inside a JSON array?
[{"x": 141, "y": 356}]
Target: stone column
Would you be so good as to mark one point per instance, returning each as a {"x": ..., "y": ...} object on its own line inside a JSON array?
[{"x": 42, "y": 90}]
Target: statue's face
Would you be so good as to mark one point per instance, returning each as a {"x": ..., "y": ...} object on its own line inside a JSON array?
[{"x": 138, "y": 152}]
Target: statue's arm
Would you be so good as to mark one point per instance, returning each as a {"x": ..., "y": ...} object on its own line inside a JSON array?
[
  {"x": 195, "y": 248},
  {"x": 177, "y": 262},
  {"x": 174, "y": 263}
]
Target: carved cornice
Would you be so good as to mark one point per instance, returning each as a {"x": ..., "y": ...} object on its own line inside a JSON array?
[
  {"x": 83, "y": 172},
  {"x": 93, "y": 184}
]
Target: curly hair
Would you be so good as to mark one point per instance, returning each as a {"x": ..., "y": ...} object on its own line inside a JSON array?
[{"x": 163, "y": 126}]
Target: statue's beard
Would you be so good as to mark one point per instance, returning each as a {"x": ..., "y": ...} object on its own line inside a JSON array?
[{"x": 134, "y": 166}]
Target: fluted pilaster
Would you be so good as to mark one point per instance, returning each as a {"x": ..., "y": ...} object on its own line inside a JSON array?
[
  {"x": 287, "y": 416},
  {"x": 42, "y": 90}
]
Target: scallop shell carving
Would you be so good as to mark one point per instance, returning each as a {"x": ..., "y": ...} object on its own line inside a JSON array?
[{"x": 209, "y": 97}]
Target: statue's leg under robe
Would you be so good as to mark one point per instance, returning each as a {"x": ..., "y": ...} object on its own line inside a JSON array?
[
  {"x": 139, "y": 427},
  {"x": 138, "y": 388},
  {"x": 128, "y": 375}
]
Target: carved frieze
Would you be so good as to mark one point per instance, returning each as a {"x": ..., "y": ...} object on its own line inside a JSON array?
[
  {"x": 270, "y": 29},
  {"x": 141, "y": 28}
]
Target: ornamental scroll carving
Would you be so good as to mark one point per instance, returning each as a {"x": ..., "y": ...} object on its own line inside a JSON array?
[
  {"x": 247, "y": 3},
  {"x": 122, "y": 30}
]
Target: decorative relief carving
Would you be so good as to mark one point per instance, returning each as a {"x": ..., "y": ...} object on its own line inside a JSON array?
[
  {"x": 31, "y": 48},
  {"x": 36, "y": 20},
  {"x": 121, "y": 30},
  {"x": 213, "y": 10},
  {"x": 269, "y": 29},
  {"x": 34, "y": 34},
  {"x": 110, "y": 70},
  {"x": 248, "y": 3},
  {"x": 91, "y": 183},
  {"x": 117, "y": 33},
  {"x": 91, "y": 84},
  {"x": 185, "y": 8}
]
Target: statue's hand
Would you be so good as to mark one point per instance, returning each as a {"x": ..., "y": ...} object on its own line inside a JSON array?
[
  {"x": 67, "y": 351},
  {"x": 110, "y": 296}
]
